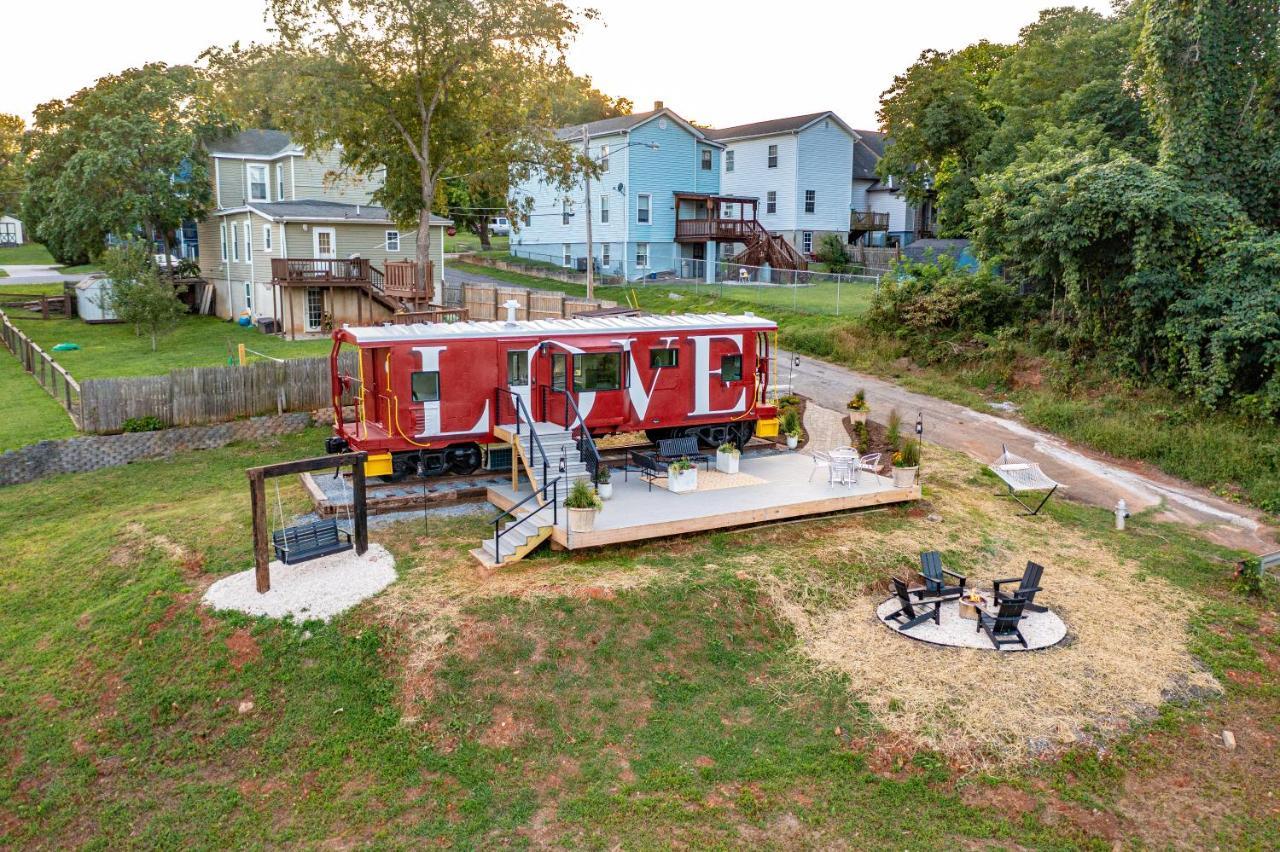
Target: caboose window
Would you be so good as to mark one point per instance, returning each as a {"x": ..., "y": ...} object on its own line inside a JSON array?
[
  {"x": 426, "y": 386},
  {"x": 663, "y": 358},
  {"x": 517, "y": 367},
  {"x": 731, "y": 368},
  {"x": 597, "y": 371}
]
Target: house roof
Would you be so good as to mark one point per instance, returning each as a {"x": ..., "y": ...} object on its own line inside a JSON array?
[
  {"x": 252, "y": 143},
  {"x": 623, "y": 123},
  {"x": 867, "y": 151},
  {"x": 559, "y": 327},
  {"x": 328, "y": 211},
  {"x": 775, "y": 126}
]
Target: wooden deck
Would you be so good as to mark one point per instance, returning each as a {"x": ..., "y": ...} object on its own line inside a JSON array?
[{"x": 636, "y": 513}]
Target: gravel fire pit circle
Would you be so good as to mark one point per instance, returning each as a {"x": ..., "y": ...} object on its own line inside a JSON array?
[{"x": 1040, "y": 629}]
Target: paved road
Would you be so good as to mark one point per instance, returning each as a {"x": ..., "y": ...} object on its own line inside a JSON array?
[
  {"x": 30, "y": 274},
  {"x": 1087, "y": 476}
]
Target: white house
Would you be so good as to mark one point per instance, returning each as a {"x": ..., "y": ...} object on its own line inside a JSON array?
[
  {"x": 11, "y": 231},
  {"x": 798, "y": 168},
  {"x": 880, "y": 214}
]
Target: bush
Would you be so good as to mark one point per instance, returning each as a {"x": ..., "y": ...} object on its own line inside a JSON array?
[
  {"x": 832, "y": 252},
  {"x": 582, "y": 496},
  {"x": 790, "y": 422},
  {"x": 940, "y": 299},
  {"x": 143, "y": 424},
  {"x": 680, "y": 465},
  {"x": 893, "y": 433},
  {"x": 908, "y": 456},
  {"x": 728, "y": 449}
]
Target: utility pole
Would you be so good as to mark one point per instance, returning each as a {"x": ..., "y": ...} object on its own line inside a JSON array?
[{"x": 586, "y": 183}]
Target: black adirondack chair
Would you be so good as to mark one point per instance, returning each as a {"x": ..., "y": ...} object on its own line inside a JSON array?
[
  {"x": 674, "y": 449},
  {"x": 935, "y": 578},
  {"x": 910, "y": 613},
  {"x": 1002, "y": 628},
  {"x": 1028, "y": 585}
]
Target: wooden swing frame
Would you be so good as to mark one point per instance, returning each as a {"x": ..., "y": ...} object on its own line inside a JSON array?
[{"x": 258, "y": 477}]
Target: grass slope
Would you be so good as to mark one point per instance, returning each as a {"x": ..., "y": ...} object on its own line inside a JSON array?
[
  {"x": 27, "y": 254},
  {"x": 30, "y": 413},
  {"x": 637, "y": 696}
]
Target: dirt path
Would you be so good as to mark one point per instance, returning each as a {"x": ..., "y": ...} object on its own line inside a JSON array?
[{"x": 1087, "y": 476}]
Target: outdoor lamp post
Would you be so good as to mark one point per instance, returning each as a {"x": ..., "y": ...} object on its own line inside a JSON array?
[{"x": 586, "y": 183}]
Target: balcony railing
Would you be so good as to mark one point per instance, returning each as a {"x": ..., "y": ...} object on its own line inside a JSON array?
[
  {"x": 432, "y": 315},
  {"x": 723, "y": 230},
  {"x": 356, "y": 270},
  {"x": 865, "y": 220}
]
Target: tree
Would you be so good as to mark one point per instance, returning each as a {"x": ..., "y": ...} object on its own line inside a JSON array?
[
  {"x": 11, "y": 162},
  {"x": 116, "y": 158},
  {"x": 448, "y": 89},
  {"x": 138, "y": 295},
  {"x": 833, "y": 253}
]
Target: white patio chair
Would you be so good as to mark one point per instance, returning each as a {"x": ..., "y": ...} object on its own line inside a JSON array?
[
  {"x": 820, "y": 459},
  {"x": 870, "y": 463},
  {"x": 843, "y": 469}
]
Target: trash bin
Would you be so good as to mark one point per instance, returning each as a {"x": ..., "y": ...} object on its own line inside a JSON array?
[{"x": 268, "y": 325}]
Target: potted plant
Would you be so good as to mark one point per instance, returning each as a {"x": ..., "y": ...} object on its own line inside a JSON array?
[
  {"x": 791, "y": 428},
  {"x": 582, "y": 504},
  {"x": 906, "y": 464},
  {"x": 682, "y": 476},
  {"x": 604, "y": 487},
  {"x": 727, "y": 457},
  {"x": 858, "y": 407}
]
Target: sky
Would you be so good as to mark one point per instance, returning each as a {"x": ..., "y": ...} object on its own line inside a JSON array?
[{"x": 718, "y": 63}]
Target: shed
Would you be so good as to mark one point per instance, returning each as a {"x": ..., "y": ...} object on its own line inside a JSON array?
[
  {"x": 11, "y": 232},
  {"x": 93, "y": 299}
]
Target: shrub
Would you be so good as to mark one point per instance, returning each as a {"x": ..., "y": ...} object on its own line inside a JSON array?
[
  {"x": 894, "y": 432},
  {"x": 941, "y": 299},
  {"x": 859, "y": 401},
  {"x": 143, "y": 424},
  {"x": 863, "y": 437},
  {"x": 603, "y": 475},
  {"x": 728, "y": 449},
  {"x": 680, "y": 465},
  {"x": 832, "y": 252},
  {"x": 908, "y": 456},
  {"x": 790, "y": 422},
  {"x": 581, "y": 496}
]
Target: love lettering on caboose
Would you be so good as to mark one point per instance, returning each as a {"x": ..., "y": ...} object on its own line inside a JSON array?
[{"x": 429, "y": 396}]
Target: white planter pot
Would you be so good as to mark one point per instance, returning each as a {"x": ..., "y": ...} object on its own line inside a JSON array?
[
  {"x": 582, "y": 520},
  {"x": 793, "y": 441},
  {"x": 605, "y": 489},
  {"x": 904, "y": 477},
  {"x": 727, "y": 462},
  {"x": 679, "y": 483},
  {"x": 856, "y": 417}
]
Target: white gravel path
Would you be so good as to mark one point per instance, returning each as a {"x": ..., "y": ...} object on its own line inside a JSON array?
[
  {"x": 1040, "y": 629},
  {"x": 319, "y": 589}
]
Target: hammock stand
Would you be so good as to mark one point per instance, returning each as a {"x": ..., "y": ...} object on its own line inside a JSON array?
[{"x": 1021, "y": 475}]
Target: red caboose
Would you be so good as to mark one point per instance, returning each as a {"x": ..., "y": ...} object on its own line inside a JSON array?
[{"x": 430, "y": 396}]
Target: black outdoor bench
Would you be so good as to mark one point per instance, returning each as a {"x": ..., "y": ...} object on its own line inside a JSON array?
[
  {"x": 302, "y": 542},
  {"x": 648, "y": 466},
  {"x": 674, "y": 449}
]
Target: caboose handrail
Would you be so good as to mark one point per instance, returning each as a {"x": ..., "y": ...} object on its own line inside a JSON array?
[
  {"x": 539, "y": 493},
  {"x": 586, "y": 444},
  {"x": 522, "y": 416}
]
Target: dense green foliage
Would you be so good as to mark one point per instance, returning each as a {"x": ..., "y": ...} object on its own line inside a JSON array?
[
  {"x": 936, "y": 298},
  {"x": 117, "y": 158},
  {"x": 11, "y": 162},
  {"x": 1123, "y": 170},
  {"x": 137, "y": 295}
]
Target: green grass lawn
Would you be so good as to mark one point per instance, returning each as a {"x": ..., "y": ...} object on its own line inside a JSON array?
[
  {"x": 467, "y": 241},
  {"x": 81, "y": 269},
  {"x": 31, "y": 415},
  {"x": 26, "y": 255},
  {"x": 114, "y": 350},
  {"x": 634, "y": 697}
]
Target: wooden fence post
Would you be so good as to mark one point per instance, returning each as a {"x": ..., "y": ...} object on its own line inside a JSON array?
[
  {"x": 359, "y": 507},
  {"x": 261, "y": 556}
]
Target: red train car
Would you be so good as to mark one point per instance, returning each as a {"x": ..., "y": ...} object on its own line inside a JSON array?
[{"x": 429, "y": 396}]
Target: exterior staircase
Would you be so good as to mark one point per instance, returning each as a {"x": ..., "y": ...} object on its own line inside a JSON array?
[
  {"x": 533, "y": 523},
  {"x": 765, "y": 248}
]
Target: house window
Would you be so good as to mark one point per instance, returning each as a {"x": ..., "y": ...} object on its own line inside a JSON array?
[
  {"x": 426, "y": 386},
  {"x": 605, "y": 259},
  {"x": 258, "y": 183},
  {"x": 248, "y": 295},
  {"x": 235, "y": 243},
  {"x": 731, "y": 368},
  {"x": 393, "y": 241},
  {"x": 565, "y": 211},
  {"x": 279, "y": 181},
  {"x": 315, "y": 308},
  {"x": 517, "y": 368},
  {"x": 642, "y": 208},
  {"x": 566, "y": 255},
  {"x": 222, "y": 240},
  {"x": 266, "y": 238},
  {"x": 726, "y": 251},
  {"x": 806, "y": 242},
  {"x": 664, "y": 358},
  {"x": 773, "y": 156},
  {"x": 810, "y": 200},
  {"x": 706, "y": 159},
  {"x": 604, "y": 210},
  {"x": 728, "y": 161},
  {"x": 771, "y": 202},
  {"x": 604, "y": 158},
  {"x": 597, "y": 371},
  {"x": 642, "y": 255},
  {"x": 248, "y": 242}
]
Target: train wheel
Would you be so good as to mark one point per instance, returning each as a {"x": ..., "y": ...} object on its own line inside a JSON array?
[
  {"x": 401, "y": 467},
  {"x": 463, "y": 460},
  {"x": 656, "y": 435}
]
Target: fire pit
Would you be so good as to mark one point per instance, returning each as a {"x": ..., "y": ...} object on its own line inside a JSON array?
[{"x": 971, "y": 603}]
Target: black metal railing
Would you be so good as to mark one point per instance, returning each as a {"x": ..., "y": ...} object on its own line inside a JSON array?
[
  {"x": 499, "y": 531},
  {"x": 523, "y": 418},
  {"x": 586, "y": 444}
]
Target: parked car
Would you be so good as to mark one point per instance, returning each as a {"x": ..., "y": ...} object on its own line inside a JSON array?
[{"x": 499, "y": 226}]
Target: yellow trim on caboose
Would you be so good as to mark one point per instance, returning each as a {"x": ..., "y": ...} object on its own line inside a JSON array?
[
  {"x": 767, "y": 428},
  {"x": 378, "y": 465}
]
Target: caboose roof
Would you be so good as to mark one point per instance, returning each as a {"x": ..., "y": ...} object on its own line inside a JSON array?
[{"x": 558, "y": 327}]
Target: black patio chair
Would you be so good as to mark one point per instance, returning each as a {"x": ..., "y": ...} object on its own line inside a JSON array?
[
  {"x": 674, "y": 449},
  {"x": 906, "y": 612},
  {"x": 935, "y": 578},
  {"x": 1002, "y": 628},
  {"x": 1028, "y": 585},
  {"x": 649, "y": 468}
]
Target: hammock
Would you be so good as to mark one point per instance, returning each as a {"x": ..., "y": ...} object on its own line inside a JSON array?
[{"x": 1022, "y": 475}]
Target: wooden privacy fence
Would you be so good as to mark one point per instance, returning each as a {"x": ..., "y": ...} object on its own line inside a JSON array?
[
  {"x": 51, "y": 375},
  {"x": 485, "y": 302},
  {"x": 198, "y": 395}
]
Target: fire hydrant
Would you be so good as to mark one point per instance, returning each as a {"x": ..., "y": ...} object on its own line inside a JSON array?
[{"x": 1122, "y": 512}]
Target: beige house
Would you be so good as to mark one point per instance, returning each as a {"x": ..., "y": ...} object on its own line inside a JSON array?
[{"x": 294, "y": 242}]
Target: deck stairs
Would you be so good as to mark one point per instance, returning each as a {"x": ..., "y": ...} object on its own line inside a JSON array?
[
  {"x": 522, "y": 534},
  {"x": 765, "y": 248}
]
